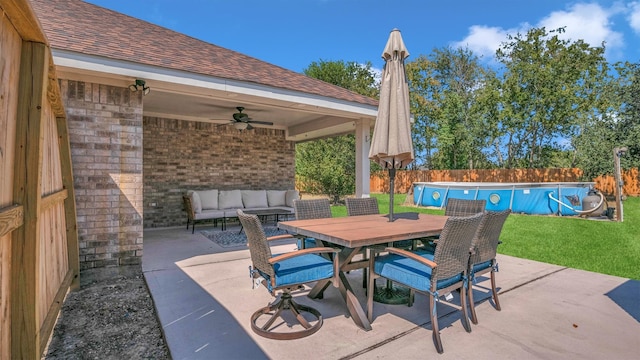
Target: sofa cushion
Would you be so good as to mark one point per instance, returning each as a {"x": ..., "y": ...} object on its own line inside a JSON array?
[
  {"x": 276, "y": 198},
  {"x": 195, "y": 201},
  {"x": 254, "y": 198},
  {"x": 210, "y": 214},
  {"x": 209, "y": 199},
  {"x": 230, "y": 199},
  {"x": 290, "y": 196}
]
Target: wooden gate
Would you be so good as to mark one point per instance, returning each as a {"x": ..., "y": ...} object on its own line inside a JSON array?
[{"x": 39, "y": 260}]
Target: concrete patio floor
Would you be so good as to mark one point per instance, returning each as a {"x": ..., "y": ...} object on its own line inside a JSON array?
[{"x": 204, "y": 300}]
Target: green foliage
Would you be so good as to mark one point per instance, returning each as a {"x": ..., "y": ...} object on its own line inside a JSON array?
[
  {"x": 617, "y": 125},
  {"x": 352, "y": 76},
  {"x": 548, "y": 87},
  {"x": 449, "y": 132},
  {"x": 552, "y": 103},
  {"x": 327, "y": 166}
]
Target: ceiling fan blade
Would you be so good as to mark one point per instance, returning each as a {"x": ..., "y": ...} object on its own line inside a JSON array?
[
  {"x": 261, "y": 122},
  {"x": 249, "y": 127}
]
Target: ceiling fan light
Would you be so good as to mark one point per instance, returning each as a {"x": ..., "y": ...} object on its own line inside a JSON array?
[{"x": 240, "y": 125}]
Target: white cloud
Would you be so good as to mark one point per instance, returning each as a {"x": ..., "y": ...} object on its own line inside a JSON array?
[
  {"x": 582, "y": 21},
  {"x": 588, "y": 22},
  {"x": 483, "y": 41},
  {"x": 634, "y": 17}
]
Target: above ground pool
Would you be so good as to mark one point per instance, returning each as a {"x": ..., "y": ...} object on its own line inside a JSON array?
[{"x": 559, "y": 198}]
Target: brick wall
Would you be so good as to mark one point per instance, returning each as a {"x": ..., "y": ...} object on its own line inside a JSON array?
[
  {"x": 105, "y": 130},
  {"x": 182, "y": 155}
]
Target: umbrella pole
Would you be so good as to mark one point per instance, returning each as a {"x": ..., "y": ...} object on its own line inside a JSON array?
[{"x": 392, "y": 177}]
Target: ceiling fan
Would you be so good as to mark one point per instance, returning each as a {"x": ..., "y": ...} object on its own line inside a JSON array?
[{"x": 242, "y": 121}]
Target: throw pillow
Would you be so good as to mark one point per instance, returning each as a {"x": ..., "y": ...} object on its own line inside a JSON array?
[
  {"x": 195, "y": 201},
  {"x": 229, "y": 199},
  {"x": 254, "y": 199},
  {"x": 290, "y": 196},
  {"x": 209, "y": 199},
  {"x": 277, "y": 198}
]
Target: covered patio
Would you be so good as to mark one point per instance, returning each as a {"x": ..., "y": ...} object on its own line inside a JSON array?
[
  {"x": 204, "y": 300},
  {"x": 150, "y": 115}
]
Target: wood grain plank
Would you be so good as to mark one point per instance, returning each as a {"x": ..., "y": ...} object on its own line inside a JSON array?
[
  {"x": 54, "y": 310},
  {"x": 356, "y": 231},
  {"x": 53, "y": 199},
  {"x": 11, "y": 218},
  {"x": 25, "y": 335},
  {"x": 23, "y": 18},
  {"x": 71, "y": 222}
]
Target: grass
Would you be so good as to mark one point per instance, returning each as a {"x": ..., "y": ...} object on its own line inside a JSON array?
[{"x": 606, "y": 247}]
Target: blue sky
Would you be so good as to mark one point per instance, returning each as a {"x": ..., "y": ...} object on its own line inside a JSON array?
[{"x": 294, "y": 33}]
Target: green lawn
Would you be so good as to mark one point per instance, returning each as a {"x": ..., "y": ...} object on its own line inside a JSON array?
[{"x": 606, "y": 247}]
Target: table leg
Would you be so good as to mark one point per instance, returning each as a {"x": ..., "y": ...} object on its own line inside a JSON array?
[{"x": 356, "y": 311}]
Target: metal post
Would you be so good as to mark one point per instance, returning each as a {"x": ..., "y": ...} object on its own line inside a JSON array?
[{"x": 617, "y": 153}]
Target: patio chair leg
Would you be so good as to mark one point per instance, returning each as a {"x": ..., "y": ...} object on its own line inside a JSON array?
[
  {"x": 472, "y": 306},
  {"x": 494, "y": 290},
  {"x": 434, "y": 325},
  {"x": 465, "y": 315}
]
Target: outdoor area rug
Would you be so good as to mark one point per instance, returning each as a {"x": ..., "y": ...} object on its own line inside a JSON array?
[{"x": 231, "y": 238}]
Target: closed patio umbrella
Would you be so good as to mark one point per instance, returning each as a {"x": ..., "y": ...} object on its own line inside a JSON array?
[{"x": 391, "y": 146}]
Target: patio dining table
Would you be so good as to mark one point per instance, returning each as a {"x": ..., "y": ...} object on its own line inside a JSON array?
[{"x": 353, "y": 233}]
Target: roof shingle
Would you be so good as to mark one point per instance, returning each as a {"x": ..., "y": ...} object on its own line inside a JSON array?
[{"x": 77, "y": 26}]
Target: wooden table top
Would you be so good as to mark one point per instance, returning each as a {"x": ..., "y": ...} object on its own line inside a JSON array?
[{"x": 356, "y": 231}]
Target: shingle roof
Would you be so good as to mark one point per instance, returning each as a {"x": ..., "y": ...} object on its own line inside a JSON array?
[{"x": 75, "y": 25}]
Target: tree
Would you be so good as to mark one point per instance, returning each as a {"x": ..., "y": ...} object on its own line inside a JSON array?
[
  {"x": 549, "y": 87},
  {"x": 449, "y": 131},
  {"x": 617, "y": 125},
  {"x": 351, "y": 75},
  {"x": 327, "y": 166}
]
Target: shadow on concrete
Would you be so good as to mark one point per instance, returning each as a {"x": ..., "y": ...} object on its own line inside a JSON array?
[{"x": 626, "y": 296}]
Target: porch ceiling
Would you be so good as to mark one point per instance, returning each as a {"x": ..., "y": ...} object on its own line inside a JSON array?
[{"x": 195, "y": 97}]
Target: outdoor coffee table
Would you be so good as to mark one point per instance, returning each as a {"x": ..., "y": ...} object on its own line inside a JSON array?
[
  {"x": 355, "y": 232},
  {"x": 263, "y": 214}
]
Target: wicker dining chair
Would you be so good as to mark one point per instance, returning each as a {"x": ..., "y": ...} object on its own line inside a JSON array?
[
  {"x": 311, "y": 209},
  {"x": 434, "y": 274},
  {"x": 483, "y": 254},
  {"x": 285, "y": 273},
  {"x": 361, "y": 206},
  {"x": 464, "y": 207},
  {"x": 457, "y": 207}
]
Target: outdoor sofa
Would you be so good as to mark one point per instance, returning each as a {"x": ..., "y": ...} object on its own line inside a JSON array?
[{"x": 217, "y": 204}]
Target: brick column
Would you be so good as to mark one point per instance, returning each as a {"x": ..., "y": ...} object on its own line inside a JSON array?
[{"x": 105, "y": 130}]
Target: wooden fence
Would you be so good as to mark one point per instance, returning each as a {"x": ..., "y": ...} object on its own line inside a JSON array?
[
  {"x": 39, "y": 259},
  {"x": 379, "y": 182}
]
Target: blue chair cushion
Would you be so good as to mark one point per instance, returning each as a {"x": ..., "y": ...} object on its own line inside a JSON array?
[
  {"x": 481, "y": 266},
  {"x": 300, "y": 270},
  {"x": 409, "y": 272}
]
